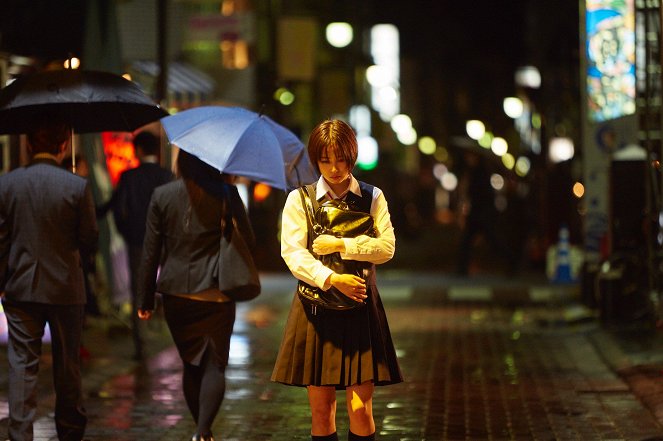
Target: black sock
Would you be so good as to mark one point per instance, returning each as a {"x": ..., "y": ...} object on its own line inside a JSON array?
[
  {"x": 330, "y": 437},
  {"x": 353, "y": 437}
]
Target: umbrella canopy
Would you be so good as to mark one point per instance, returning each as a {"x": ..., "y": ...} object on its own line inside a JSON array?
[
  {"x": 238, "y": 141},
  {"x": 90, "y": 101}
]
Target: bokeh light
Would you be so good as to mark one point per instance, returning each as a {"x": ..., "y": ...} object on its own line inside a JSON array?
[
  {"x": 475, "y": 129},
  {"x": 339, "y": 34},
  {"x": 499, "y": 146},
  {"x": 427, "y": 145}
]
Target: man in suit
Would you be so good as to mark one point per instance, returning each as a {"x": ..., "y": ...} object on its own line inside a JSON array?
[
  {"x": 47, "y": 219},
  {"x": 129, "y": 205}
]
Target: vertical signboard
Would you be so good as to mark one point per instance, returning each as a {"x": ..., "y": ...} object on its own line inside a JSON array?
[
  {"x": 610, "y": 45},
  {"x": 608, "y": 107}
]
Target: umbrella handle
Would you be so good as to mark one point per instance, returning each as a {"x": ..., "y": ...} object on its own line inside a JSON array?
[{"x": 73, "y": 152}]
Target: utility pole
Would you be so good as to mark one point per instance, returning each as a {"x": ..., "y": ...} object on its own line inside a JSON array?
[{"x": 162, "y": 79}]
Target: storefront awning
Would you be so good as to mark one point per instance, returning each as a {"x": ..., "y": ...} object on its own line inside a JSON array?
[{"x": 185, "y": 82}]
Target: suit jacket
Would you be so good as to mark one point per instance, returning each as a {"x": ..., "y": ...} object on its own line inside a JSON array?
[
  {"x": 47, "y": 218},
  {"x": 132, "y": 197},
  {"x": 183, "y": 239}
]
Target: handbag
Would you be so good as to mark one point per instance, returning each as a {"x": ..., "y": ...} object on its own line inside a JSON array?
[
  {"x": 237, "y": 273},
  {"x": 333, "y": 217}
]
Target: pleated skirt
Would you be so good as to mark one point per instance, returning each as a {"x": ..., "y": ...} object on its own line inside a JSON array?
[
  {"x": 337, "y": 348},
  {"x": 197, "y": 325}
]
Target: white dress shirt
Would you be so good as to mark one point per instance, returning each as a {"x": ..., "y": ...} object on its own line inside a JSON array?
[{"x": 294, "y": 232}]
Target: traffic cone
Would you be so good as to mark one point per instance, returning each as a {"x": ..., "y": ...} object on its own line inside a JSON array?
[{"x": 563, "y": 258}]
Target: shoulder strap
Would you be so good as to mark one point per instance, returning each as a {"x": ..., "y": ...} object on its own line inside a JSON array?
[{"x": 307, "y": 203}]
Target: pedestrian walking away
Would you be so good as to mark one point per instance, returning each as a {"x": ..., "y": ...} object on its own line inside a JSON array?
[
  {"x": 322, "y": 349},
  {"x": 129, "y": 206},
  {"x": 182, "y": 242},
  {"x": 47, "y": 221}
]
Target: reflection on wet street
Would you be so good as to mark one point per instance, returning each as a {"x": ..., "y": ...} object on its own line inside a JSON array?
[{"x": 473, "y": 371}]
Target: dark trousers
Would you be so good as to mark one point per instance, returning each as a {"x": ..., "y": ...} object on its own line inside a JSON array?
[{"x": 26, "y": 322}]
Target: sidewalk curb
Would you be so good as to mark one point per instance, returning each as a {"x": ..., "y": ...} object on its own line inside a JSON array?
[{"x": 644, "y": 380}]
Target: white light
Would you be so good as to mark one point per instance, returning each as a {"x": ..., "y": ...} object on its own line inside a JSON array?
[
  {"x": 528, "y": 76},
  {"x": 367, "y": 152},
  {"x": 475, "y": 129},
  {"x": 449, "y": 181},
  {"x": 513, "y": 107},
  {"x": 339, "y": 34},
  {"x": 560, "y": 149},
  {"x": 401, "y": 123},
  {"x": 385, "y": 51},
  {"x": 388, "y": 94},
  {"x": 631, "y": 152},
  {"x": 360, "y": 119},
  {"x": 439, "y": 170},
  {"x": 384, "y": 42},
  {"x": 499, "y": 146},
  {"x": 497, "y": 181},
  {"x": 407, "y": 137},
  {"x": 72, "y": 63},
  {"x": 379, "y": 76}
]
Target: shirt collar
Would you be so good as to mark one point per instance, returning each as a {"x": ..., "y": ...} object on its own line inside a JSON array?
[
  {"x": 322, "y": 189},
  {"x": 44, "y": 157}
]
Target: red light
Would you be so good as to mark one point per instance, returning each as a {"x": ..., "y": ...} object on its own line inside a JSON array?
[{"x": 119, "y": 152}]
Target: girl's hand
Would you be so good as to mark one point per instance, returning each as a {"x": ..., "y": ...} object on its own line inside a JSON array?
[
  {"x": 327, "y": 244},
  {"x": 352, "y": 286}
]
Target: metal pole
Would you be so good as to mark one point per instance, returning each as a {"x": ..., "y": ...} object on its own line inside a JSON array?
[{"x": 162, "y": 79}]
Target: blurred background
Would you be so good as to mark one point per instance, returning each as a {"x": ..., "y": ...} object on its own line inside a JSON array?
[{"x": 504, "y": 134}]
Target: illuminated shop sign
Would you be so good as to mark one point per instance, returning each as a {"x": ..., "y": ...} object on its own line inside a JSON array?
[{"x": 610, "y": 40}]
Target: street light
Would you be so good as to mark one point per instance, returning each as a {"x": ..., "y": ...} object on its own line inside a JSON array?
[
  {"x": 513, "y": 107},
  {"x": 339, "y": 34},
  {"x": 499, "y": 146},
  {"x": 401, "y": 123},
  {"x": 475, "y": 129}
]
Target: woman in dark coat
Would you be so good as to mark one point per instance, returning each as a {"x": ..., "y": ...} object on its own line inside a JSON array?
[
  {"x": 182, "y": 237},
  {"x": 326, "y": 350}
]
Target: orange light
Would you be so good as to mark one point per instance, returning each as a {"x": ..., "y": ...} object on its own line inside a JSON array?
[
  {"x": 578, "y": 190},
  {"x": 261, "y": 192},
  {"x": 119, "y": 152}
]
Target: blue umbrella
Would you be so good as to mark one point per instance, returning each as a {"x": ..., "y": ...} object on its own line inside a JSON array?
[{"x": 238, "y": 141}]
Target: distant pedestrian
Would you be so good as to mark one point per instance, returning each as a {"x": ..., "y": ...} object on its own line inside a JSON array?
[
  {"x": 330, "y": 350},
  {"x": 129, "y": 205},
  {"x": 479, "y": 215},
  {"x": 180, "y": 261},
  {"x": 47, "y": 221}
]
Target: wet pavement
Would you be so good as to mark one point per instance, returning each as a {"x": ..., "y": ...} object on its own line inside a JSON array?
[{"x": 484, "y": 359}]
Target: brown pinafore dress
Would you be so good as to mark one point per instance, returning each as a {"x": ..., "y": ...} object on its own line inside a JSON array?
[{"x": 339, "y": 348}]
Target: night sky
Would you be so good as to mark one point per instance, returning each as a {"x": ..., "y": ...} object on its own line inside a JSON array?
[{"x": 42, "y": 28}]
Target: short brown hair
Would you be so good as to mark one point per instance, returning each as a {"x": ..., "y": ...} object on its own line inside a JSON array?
[
  {"x": 48, "y": 134},
  {"x": 334, "y": 134}
]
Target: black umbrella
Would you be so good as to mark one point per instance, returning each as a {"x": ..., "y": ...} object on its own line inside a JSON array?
[{"x": 90, "y": 101}]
